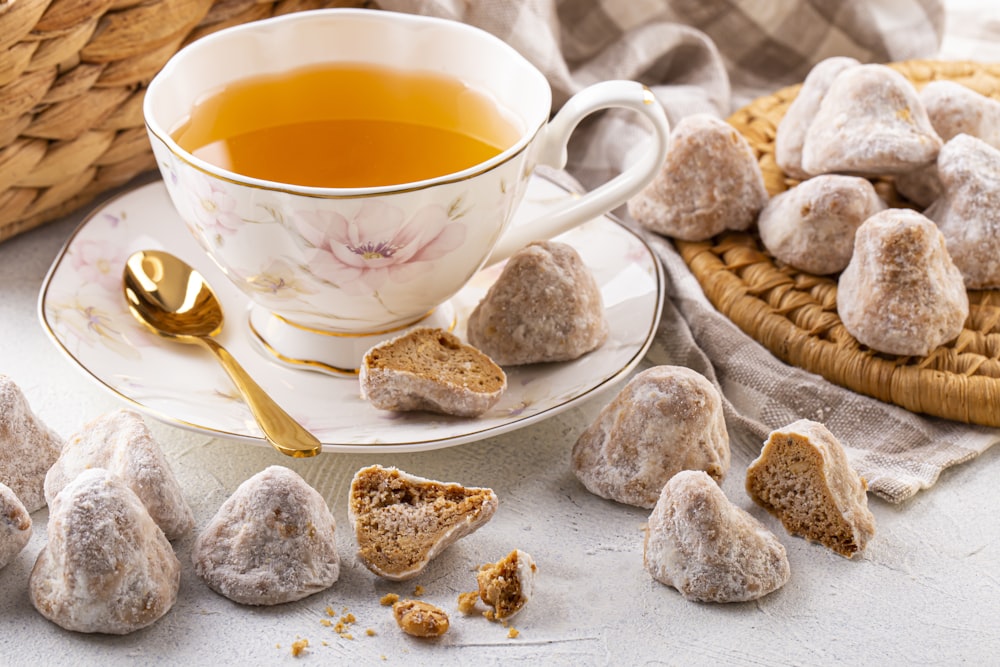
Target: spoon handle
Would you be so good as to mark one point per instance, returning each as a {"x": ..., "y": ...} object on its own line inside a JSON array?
[{"x": 280, "y": 429}]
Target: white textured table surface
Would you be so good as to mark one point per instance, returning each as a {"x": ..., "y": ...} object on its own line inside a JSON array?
[{"x": 926, "y": 590}]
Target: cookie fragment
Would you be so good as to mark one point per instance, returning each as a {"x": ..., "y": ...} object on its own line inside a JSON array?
[
  {"x": 431, "y": 369},
  {"x": 420, "y": 619},
  {"x": 402, "y": 521},
  {"x": 507, "y": 585},
  {"x": 803, "y": 477}
]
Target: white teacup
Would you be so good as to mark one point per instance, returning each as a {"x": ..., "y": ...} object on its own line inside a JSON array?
[{"x": 324, "y": 282}]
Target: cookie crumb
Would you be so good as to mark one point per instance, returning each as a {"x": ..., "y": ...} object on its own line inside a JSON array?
[
  {"x": 298, "y": 647},
  {"x": 418, "y": 590},
  {"x": 370, "y": 632},
  {"x": 420, "y": 619},
  {"x": 467, "y": 602},
  {"x": 343, "y": 625},
  {"x": 512, "y": 633},
  {"x": 389, "y": 599}
]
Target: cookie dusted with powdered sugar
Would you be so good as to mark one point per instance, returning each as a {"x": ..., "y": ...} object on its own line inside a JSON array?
[
  {"x": 107, "y": 566},
  {"x": 28, "y": 447},
  {"x": 710, "y": 550},
  {"x": 15, "y": 525},
  {"x": 710, "y": 182},
  {"x": 666, "y": 419},
  {"x": 871, "y": 122},
  {"x": 271, "y": 542},
  {"x": 811, "y": 226},
  {"x": 901, "y": 293},
  {"x": 953, "y": 109},
  {"x": 791, "y": 131},
  {"x": 545, "y": 306},
  {"x": 968, "y": 212},
  {"x": 121, "y": 443}
]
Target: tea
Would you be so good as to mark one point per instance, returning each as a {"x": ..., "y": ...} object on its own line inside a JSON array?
[{"x": 346, "y": 125}]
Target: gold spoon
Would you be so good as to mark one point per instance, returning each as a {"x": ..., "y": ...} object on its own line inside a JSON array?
[{"x": 174, "y": 301}]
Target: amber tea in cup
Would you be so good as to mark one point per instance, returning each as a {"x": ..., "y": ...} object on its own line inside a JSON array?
[{"x": 347, "y": 125}]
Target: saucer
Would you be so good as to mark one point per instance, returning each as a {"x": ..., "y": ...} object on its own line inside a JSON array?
[{"x": 83, "y": 311}]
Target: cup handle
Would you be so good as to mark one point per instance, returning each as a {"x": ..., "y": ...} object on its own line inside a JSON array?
[{"x": 553, "y": 152}]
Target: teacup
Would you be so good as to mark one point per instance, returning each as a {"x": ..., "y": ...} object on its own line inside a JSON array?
[{"x": 330, "y": 271}]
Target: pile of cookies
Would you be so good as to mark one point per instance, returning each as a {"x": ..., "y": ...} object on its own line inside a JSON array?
[
  {"x": 902, "y": 274},
  {"x": 114, "y": 505}
]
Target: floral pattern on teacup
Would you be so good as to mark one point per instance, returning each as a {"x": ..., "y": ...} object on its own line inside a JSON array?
[
  {"x": 212, "y": 207},
  {"x": 278, "y": 280},
  {"x": 377, "y": 244}
]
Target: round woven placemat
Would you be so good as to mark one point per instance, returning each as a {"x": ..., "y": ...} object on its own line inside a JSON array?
[{"x": 794, "y": 314}]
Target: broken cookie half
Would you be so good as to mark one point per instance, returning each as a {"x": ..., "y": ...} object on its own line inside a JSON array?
[
  {"x": 802, "y": 476},
  {"x": 432, "y": 370},
  {"x": 402, "y": 521}
]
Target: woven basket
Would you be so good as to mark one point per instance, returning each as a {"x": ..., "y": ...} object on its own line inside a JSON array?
[
  {"x": 72, "y": 78},
  {"x": 794, "y": 314}
]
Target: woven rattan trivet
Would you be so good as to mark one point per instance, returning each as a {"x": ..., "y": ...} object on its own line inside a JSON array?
[
  {"x": 73, "y": 74},
  {"x": 794, "y": 314}
]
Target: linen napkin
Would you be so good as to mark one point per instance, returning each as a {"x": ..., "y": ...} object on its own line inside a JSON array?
[{"x": 715, "y": 56}]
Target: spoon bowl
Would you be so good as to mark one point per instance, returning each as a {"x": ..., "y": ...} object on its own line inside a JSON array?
[{"x": 174, "y": 301}]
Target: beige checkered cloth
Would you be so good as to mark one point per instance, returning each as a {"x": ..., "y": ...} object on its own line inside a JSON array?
[{"x": 714, "y": 56}]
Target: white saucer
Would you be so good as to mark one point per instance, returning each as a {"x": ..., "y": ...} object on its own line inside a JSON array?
[{"x": 83, "y": 311}]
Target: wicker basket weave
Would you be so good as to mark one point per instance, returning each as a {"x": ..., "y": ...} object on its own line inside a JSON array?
[
  {"x": 72, "y": 78},
  {"x": 794, "y": 314}
]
